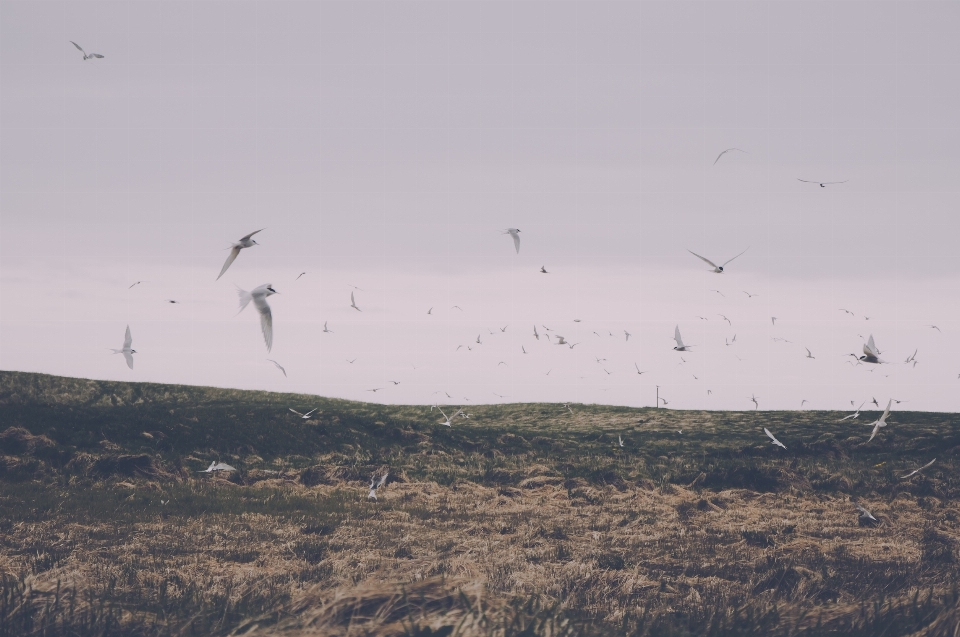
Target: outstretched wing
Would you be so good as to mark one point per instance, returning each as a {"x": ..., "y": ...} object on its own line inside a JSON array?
[
  {"x": 129, "y": 356},
  {"x": 876, "y": 428},
  {"x": 234, "y": 252},
  {"x": 266, "y": 319},
  {"x": 769, "y": 435},
  {"x": 80, "y": 48},
  {"x": 712, "y": 264},
  {"x": 870, "y": 349},
  {"x": 96, "y": 55},
  {"x": 724, "y": 153},
  {"x": 676, "y": 335},
  {"x": 295, "y": 411},
  {"x": 732, "y": 258},
  {"x": 252, "y": 233},
  {"x": 516, "y": 241},
  {"x": 127, "y": 339}
]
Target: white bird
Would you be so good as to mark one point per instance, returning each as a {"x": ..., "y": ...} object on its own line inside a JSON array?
[
  {"x": 855, "y": 414},
  {"x": 676, "y": 336},
  {"x": 515, "y": 233},
  {"x": 259, "y": 297},
  {"x": 245, "y": 242},
  {"x": 882, "y": 421},
  {"x": 809, "y": 353},
  {"x": 568, "y": 407},
  {"x": 916, "y": 471},
  {"x": 639, "y": 373},
  {"x": 127, "y": 349},
  {"x": 865, "y": 514},
  {"x": 870, "y": 352},
  {"x": 773, "y": 438},
  {"x": 822, "y": 184},
  {"x": 448, "y": 420},
  {"x": 376, "y": 484},
  {"x": 353, "y": 303},
  {"x": 85, "y": 56},
  {"x": 325, "y": 329},
  {"x": 305, "y": 416},
  {"x": 724, "y": 153},
  {"x": 279, "y": 366},
  {"x": 621, "y": 440},
  {"x": 717, "y": 269},
  {"x": 218, "y": 466},
  {"x": 627, "y": 334}
]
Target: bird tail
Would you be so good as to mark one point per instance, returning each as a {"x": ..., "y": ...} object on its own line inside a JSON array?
[{"x": 245, "y": 298}]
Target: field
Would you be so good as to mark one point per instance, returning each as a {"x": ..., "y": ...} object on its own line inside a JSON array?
[{"x": 519, "y": 520}]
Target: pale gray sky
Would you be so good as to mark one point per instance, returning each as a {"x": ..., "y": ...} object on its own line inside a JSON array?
[{"x": 386, "y": 144}]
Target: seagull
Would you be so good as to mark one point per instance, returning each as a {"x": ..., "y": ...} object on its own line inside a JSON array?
[
  {"x": 855, "y": 414},
  {"x": 627, "y": 334},
  {"x": 376, "y": 484},
  {"x": 676, "y": 336},
  {"x": 325, "y": 329},
  {"x": 725, "y": 319},
  {"x": 305, "y": 416},
  {"x": 750, "y": 295},
  {"x": 724, "y": 153},
  {"x": 916, "y": 471},
  {"x": 717, "y": 269},
  {"x": 138, "y": 283},
  {"x": 639, "y": 373},
  {"x": 299, "y": 275},
  {"x": 931, "y": 326},
  {"x": 279, "y": 366},
  {"x": 864, "y": 514},
  {"x": 620, "y": 439},
  {"x": 353, "y": 303},
  {"x": 822, "y": 184},
  {"x": 259, "y": 297},
  {"x": 754, "y": 399},
  {"x": 773, "y": 320},
  {"x": 513, "y": 232},
  {"x": 882, "y": 421},
  {"x": 85, "y": 56},
  {"x": 245, "y": 242},
  {"x": 543, "y": 270},
  {"x": 537, "y": 336},
  {"x": 773, "y": 438},
  {"x": 870, "y": 353},
  {"x": 809, "y": 353},
  {"x": 127, "y": 351},
  {"x": 218, "y": 466}
]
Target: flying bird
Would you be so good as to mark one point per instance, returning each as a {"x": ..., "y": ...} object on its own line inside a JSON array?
[
  {"x": 627, "y": 334},
  {"x": 809, "y": 353},
  {"x": 916, "y": 471},
  {"x": 515, "y": 233},
  {"x": 865, "y": 515},
  {"x": 855, "y": 414},
  {"x": 170, "y": 301},
  {"x": 724, "y": 153},
  {"x": 773, "y": 438},
  {"x": 725, "y": 319},
  {"x": 755, "y": 403},
  {"x": 620, "y": 439},
  {"x": 639, "y": 373},
  {"x": 85, "y": 56},
  {"x": 351, "y": 361},
  {"x": 731, "y": 342},
  {"x": 138, "y": 283},
  {"x": 720, "y": 293},
  {"x": 280, "y": 367},
  {"x": 750, "y": 295},
  {"x": 218, "y": 466},
  {"x": 802, "y": 402},
  {"x": 560, "y": 341},
  {"x": 259, "y": 297},
  {"x": 882, "y": 421},
  {"x": 299, "y": 275},
  {"x": 245, "y": 242},
  {"x": 870, "y": 352},
  {"x": 543, "y": 269},
  {"x": 822, "y": 184},
  {"x": 874, "y": 401},
  {"x": 326, "y": 329},
  {"x": 537, "y": 336},
  {"x": 847, "y": 311},
  {"x": 504, "y": 328},
  {"x": 376, "y": 484},
  {"x": 448, "y": 420},
  {"x": 912, "y": 356},
  {"x": 455, "y": 307},
  {"x": 680, "y": 346},
  {"x": 930, "y": 326},
  {"x": 773, "y": 320},
  {"x": 305, "y": 416},
  {"x": 375, "y": 390},
  {"x": 524, "y": 349},
  {"x": 353, "y": 303},
  {"x": 127, "y": 349},
  {"x": 717, "y": 269}
]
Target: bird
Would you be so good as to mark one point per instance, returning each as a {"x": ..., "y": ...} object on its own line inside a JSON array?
[
  {"x": 773, "y": 438},
  {"x": 478, "y": 340},
  {"x": 515, "y": 233},
  {"x": 501, "y": 363},
  {"x": 299, "y": 275},
  {"x": 218, "y": 466},
  {"x": 376, "y": 484},
  {"x": 870, "y": 352},
  {"x": 916, "y": 471},
  {"x": 773, "y": 320},
  {"x": 754, "y": 400},
  {"x": 504, "y": 328},
  {"x": 447, "y": 422},
  {"x": 620, "y": 439},
  {"x": 874, "y": 401},
  {"x": 127, "y": 349},
  {"x": 731, "y": 342},
  {"x": 535, "y": 335},
  {"x": 138, "y": 283},
  {"x": 524, "y": 349},
  {"x": 572, "y": 345},
  {"x": 703, "y": 318},
  {"x": 847, "y": 311},
  {"x": 912, "y": 356},
  {"x": 170, "y": 301},
  {"x": 456, "y": 307},
  {"x": 627, "y": 334},
  {"x": 855, "y": 414},
  {"x": 351, "y": 361},
  {"x": 85, "y": 56},
  {"x": 802, "y": 402},
  {"x": 865, "y": 515},
  {"x": 822, "y": 184},
  {"x": 353, "y": 303},
  {"x": 881, "y": 421},
  {"x": 664, "y": 401},
  {"x": 717, "y": 269},
  {"x": 326, "y": 329},
  {"x": 724, "y": 153},
  {"x": 639, "y": 373},
  {"x": 560, "y": 341},
  {"x": 375, "y": 390},
  {"x": 750, "y": 295},
  {"x": 676, "y": 336},
  {"x": 725, "y": 319},
  {"x": 545, "y": 327},
  {"x": 430, "y": 311},
  {"x": 305, "y": 416},
  {"x": 259, "y": 297},
  {"x": 245, "y": 242},
  {"x": 395, "y": 382},
  {"x": 543, "y": 270},
  {"x": 576, "y": 320},
  {"x": 930, "y": 326},
  {"x": 720, "y": 293},
  {"x": 279, "y": 366},
  {"x": 608, "y": 373},
  {"x": 809, "y": 353},
  {"x": 568, "y": 407}
]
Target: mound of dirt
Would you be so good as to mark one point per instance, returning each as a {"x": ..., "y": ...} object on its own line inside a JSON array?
[
  {"x": 19, "y": 441},
  {"x": 127, "y": 465}
]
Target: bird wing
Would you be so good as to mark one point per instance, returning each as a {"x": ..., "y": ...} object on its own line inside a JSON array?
[
  {"x": 516, "y": 241},
  {"x": 807, "y": 181},
  {"x": 712, "y": 264},
  {"x": 865, "y": 512},
  {"x": 127, "y": 355},
  {"x": 927, "y": 465},
  {"x": 676, "y": 336},
  {"x": 295, "y": 411},
  {"x": 769, "y": 435},
  {"x": 870, "y": 349},
  {"x": 809, "y": 353},
  {"x": 96, "y": 55},
  {"x": 732, "y": 258},
  {"x": 912, "y": 473},
  {"x": 127, "y": 339},
  {"x": 724, "y": 153},
  {"x": 886, "y": 412},
  {"x": 252, "y": 233},
  {"x": 383, "y": 480},
  {"x": 827, "y": 183},
  {"x": 234, "y": 252},
  {"x": 279, "y": 366},
  {"x": 266, "y": 319},
  {"x": 876, "y": 428},
  {"x": 245, "y": 298},
  {"x": 78, "y": 47}
]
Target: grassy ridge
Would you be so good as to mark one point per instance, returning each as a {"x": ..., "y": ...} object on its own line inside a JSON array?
[{"x": 520, "y": 516}]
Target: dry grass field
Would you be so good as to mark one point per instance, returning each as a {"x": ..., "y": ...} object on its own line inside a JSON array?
[{"x": 519, "y": 520}]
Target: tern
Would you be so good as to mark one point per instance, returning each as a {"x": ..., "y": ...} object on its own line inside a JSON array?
[
  {"x": 855, "y": 414},
  {"x": 755, "y": 403},
  {"x": 305, "y": 416},
  {"x": 326, "y": 329},
  {"x": 802, "y": 402},
  {"x": 874, "y": 401},
  {"x": 218, "y": 466},
  {"x": 448, "y": 420},
  {"x": 127, "y": 350},
  {"x": 170, "y": 301},
  {"x": 717, "y": 269},
  {"x": 375, "y": 390},
  {"x": 725, "y": 152},
  {"x": 351, "y": 361},
  {"x": 720, "y": 293},
  {"x": 750, "y": 295},
  {"x": 627, "y": 334},
  {"x": 543, "y": 270},
  {"x": 870, "y": 352},
  {"x": 773, "y": 320},
  {"x": 847, "y": 311},
  {"x": 639, "y": 373},
  {"x": 809, "y": 353},
  {"x": 353, "y": 303},
  {"x": 725, "y": 319},
  {"x": 515, "y": 233},
  {"x": 376, "y": 484},
  {"x": 560, "y": 341},
  {"x": 245, "y": 242},
  {"x": 85, "y": 56},
  {"x": 430, "y": 311},
  {"x": 882, "y": 421},
  {"x": 731, "y": 342},
  {"x": 299, "y": 275},
  {"x": 279, "y": 366},
  {"x": 138, "y": 283},
  {"x": 822, "y": 184},
  {"x": 680, "y": 346},
  {"x": 620, "y": 439},
  {"x": 916, "y": 471},
  {"x": 537, "y": 336},
  {"x": 524, "y": 349},
  {"x": 259, "y": 297},
  {"x": 773, "y": 438},
  {"x": 912, "y": 357},
  {"x": 865, "y": 515},
  {"x": 504, "y": 328},
  {"x": 930, "y": 326},
  {"x": 478, "y": 340},
  {"x": 395, "y": 382}
]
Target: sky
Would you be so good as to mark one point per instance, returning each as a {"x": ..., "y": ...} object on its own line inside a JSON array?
[{"x": 385, "y": 146}]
